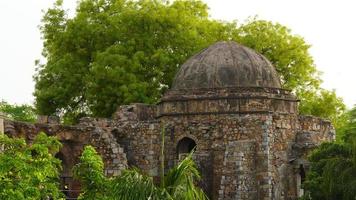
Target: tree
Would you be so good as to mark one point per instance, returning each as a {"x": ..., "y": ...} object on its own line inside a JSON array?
[
  {"x": 23, "y": 112},
  {"x": 132, "y": 184},
  {"x": 89, "y": 171},
  {"x": 116, "y": 52},
  {"x": 347, "y": 129},
  {"x": 290, "y": 55},
  {"x": 325, "y": 104},
  {"x": 29, "y": 171},
  {"x": 332, "y": 174}
]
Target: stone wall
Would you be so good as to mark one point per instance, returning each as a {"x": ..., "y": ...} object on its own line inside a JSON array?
[
  {"x": 232, "y": 152},
  {"x": 250, "y": 155},
  {"x": 137, "y": 130},
  {"x": 313, "y": 131},
  {"x": 227, "y": 101},
  {"x": 142, "y": 142},
  {"x": 283, "y": 137},
  {"x": 74, "y": 138},
  {"x": 2, "y": 128}
]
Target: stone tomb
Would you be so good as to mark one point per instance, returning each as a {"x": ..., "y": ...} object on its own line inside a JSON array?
[{"x": 227, "y": 102}]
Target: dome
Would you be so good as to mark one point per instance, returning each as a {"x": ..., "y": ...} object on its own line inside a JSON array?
[{"x": 226, "y": 64}]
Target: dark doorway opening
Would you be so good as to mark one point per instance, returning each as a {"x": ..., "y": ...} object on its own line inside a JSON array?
[
  {"x": 301, "y": 173},
  {"x": 300, "y": 180},
  {"x": 68, "y": 186},
  {"x": 184, "y": 147}
]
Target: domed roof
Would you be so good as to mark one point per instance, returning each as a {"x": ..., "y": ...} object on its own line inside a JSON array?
[{"x": 226, "y": 64}]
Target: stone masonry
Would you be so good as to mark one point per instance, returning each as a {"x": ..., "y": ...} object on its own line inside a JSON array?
[{"x": 226, "y": 101}]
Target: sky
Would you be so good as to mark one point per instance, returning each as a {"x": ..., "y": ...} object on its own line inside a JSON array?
[{"x": 328, "y": 25}]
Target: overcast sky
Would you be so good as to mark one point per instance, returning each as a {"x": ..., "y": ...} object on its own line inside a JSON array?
[{"x": 328, "y": 25}]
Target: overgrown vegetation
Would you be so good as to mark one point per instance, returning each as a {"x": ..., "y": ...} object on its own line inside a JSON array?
[
  {"x": 29, "y": 172},
  {"x": 332, "y": 174},
  {"x": 25, "y": 113},
  {"x": 115, "y": 52},
  {"x": 133, "y": 184}
]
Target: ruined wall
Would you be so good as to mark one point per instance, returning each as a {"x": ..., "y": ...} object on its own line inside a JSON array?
[
  {"x": 284, "y": 129},
  {"x": 242, "y": 155},
  {"x": 313, "y": 131},
  {"x": 293, "y": 138},
  {"x": 142, "y": 142},
  {"x": 137, "y": 130},
  {"x": 232, "y": 149},
  {"x": 232, "y": 152},
  {"x": 74, "y": 138}
]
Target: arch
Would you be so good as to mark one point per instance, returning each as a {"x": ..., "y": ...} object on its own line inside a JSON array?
[
  {"x": 69, "y": 187},
  {"x": 65, "y": 161},
  {"x": 184, "y": 147}
]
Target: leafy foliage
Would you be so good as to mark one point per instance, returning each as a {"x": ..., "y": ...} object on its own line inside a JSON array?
[
  {"x": 290, "y": 55},
  {"x": 24, "y": 112},
  {"x": 29, "y": 171},
  {"x": 180, "y": 181},
  {"x": 132, "y": 184},
  {"x": 323, "y": 103},
  {"x": 116, "y": 52},
  {"x": 89, "y": 171},
  {"x": 347, "y": 129},
  {"x": 333, "y": 165},
  {"x": 333, "y": 171}
]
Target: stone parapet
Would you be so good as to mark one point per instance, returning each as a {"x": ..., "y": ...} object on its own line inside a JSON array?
[
  {"x": 313, "y": 131},
  {"x": 135, "y": 112},
  {"x": 227, "y": 101},
  {"x": 205, "y": 93},
  {"x": 45, "y": 119}
]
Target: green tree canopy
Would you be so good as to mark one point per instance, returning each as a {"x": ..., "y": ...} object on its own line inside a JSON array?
[
  {"x": 29, "y": 172},
  {"x": 347, "y": 127},
  {"x": 332, "y": 173},
  {"x": 25, "y": 113},
  {"x": 115, "y": 52},
  {"x": 323, "y": 103},
  {"x": 290, "y": 55}
]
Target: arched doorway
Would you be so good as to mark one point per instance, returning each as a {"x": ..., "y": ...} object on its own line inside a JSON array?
[
  {"x": 69, "y": 186},
  {"x": 184, "y": 147}
]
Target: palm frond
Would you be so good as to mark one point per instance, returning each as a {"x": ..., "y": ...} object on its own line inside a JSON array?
[
  {"x": 180, "y": 181},
  {"x": 134, "y": 185}
]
